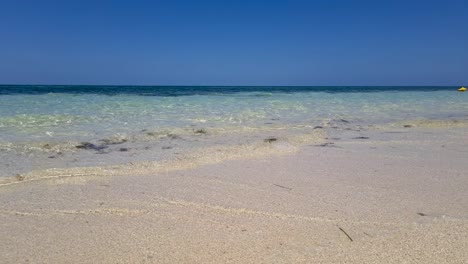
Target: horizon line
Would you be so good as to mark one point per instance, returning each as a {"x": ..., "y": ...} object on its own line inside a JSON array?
[{"x": 201, "y": 85}]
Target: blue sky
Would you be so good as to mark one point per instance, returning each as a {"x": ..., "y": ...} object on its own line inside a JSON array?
[{"x": 234, "y": 42}]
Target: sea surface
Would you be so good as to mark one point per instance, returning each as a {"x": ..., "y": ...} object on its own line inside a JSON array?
[{"x": 45, "y": 127}]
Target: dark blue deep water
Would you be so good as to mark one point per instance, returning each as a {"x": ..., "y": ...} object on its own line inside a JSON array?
[{"x": 205, "y": 90}]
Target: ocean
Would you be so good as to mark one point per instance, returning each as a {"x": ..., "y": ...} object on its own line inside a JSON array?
[{"x": 43, "y": 127}]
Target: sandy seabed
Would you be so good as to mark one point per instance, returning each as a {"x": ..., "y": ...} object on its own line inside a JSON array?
[{"x": 387, "y": 196}]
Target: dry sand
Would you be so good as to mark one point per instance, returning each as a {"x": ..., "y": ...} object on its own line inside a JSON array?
[{"x": 395, "y": 197}]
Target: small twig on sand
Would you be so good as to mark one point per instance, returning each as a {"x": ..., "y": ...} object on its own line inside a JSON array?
[
  {"x": 345, "y": 233},
  {"x": 284, "y": 187}
]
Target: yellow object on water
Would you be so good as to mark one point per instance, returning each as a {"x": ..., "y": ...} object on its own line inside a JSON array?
[{"x": 462, "y": 89}]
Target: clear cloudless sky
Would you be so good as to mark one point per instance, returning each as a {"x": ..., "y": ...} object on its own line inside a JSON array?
[{"x": 200, "y": 42}]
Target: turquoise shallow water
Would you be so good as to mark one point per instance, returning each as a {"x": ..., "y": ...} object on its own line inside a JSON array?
[
  {"x": 64, "y": 112},
  {"x": 34, "y": 117}
]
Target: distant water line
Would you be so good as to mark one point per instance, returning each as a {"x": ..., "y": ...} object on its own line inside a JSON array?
[{"x": 206, "y": 90}]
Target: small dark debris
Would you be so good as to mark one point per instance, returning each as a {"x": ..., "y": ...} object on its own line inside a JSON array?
[
  {"x": 112, "y": 142},
  {"x": 270, "y": 140},
  {"x": 422, "y": 214},
  {"x": 166, "y": 147},
  {"x": 47, "y": 146},
  {"x": 281, "y": 186},
  {"x": 408, "y": 126},
  {"x": 200, "y": 131},
  {"x": 173, "y": 136},
  {"x": 90, "y": 146},
  {"x": 56, "y": 155},
  {"x": 151, "y": 134},
  {"x": 123, "y": 149},
  {"x": 327, "y": 144},
  {"x": 344, "y": 120},
  {"x": 19, "y": 177},
  {"x": 342, "y": 230},
  {"x": 361, "y": 138},
  {"x": 318, "y": 127}
]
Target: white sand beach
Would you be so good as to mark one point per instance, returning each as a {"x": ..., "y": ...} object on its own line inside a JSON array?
[{"x": 389, "y": 196}]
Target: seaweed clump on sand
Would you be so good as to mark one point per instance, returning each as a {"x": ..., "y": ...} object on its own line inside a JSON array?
[
  {"x": 200, "y": 131},
  {"x": 270, "y": 140},
  {"x": 90, "y": 146},
  {"x": 56, "y": 155},
  {"x": 19, "y": 177},
  {"x": 111, "y": 141},
  {"x": 327, "y": 144},
  {"x": 173, "y": 136}
]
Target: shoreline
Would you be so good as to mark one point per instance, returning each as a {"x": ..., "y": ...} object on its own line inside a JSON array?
[{"x": 169, "y": 150}]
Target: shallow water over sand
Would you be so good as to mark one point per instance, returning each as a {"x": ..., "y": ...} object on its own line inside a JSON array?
[{"x": 48, "y": 127}]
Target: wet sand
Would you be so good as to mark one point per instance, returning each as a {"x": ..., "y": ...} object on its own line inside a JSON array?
[{"x": 382, "y": 196}]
